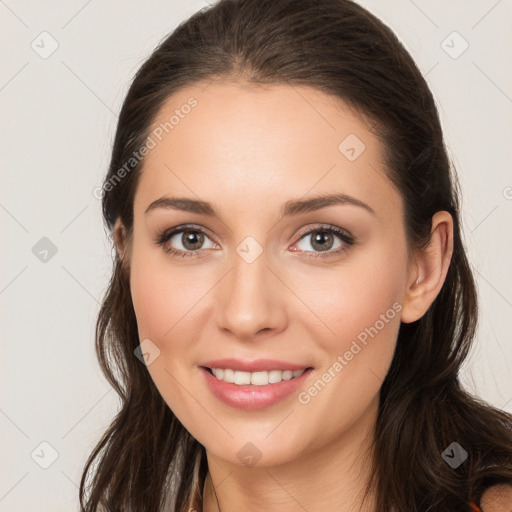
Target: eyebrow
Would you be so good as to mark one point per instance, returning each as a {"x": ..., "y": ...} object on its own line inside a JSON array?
[{"x": 291, "y": 207}]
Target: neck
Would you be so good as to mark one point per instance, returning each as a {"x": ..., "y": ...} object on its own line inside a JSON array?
[{"x": 331, "y": 478}]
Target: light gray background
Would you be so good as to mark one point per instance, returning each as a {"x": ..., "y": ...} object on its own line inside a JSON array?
[{"x": 58, "y": 119}]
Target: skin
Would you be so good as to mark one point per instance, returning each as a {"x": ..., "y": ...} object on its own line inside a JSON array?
[
  {"x": 248, "y": 150},
  {"x": 497, "y": 499}
]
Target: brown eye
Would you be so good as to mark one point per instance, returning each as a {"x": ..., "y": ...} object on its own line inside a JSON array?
[
  {"x": 322, "y": 241},
  {"x": 192, "y": 240},
  {"x": 184, "y": 241},
  {"x": 329, "y": 240}
]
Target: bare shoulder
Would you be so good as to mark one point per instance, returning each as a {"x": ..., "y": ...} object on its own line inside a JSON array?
[{"x": 497, "y": 498}]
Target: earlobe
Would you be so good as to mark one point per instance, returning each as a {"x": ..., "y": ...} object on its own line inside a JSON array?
[{"x": 429, "y": 269}]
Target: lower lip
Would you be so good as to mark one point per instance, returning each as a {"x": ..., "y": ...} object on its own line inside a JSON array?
[{"x": 252, "y": 397}]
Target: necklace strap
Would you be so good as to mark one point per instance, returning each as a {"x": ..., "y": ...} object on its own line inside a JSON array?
[
  {"x": 214, "y": 492},
  {"x": 216, "y": 499}
]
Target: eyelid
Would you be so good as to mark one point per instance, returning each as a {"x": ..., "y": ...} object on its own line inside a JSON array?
[
  {"x": 169, "y": 233},
  {"x": 327, "y": 227}
]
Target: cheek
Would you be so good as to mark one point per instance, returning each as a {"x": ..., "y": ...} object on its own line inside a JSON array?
[
  {"x": 359, "y": 308},
  {"x": 166, "y": 307},
  {"x": 360, "y": 305},
  {"x": 353, "y": 299},
  {"x": 164, "y": 298},
  {"x": 154, "y": 307}
]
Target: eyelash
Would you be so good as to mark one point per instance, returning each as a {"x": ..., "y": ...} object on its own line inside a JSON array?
[{"x": 348, "y": 240}]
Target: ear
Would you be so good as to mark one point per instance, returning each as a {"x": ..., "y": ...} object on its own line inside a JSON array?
[
  {"x": 120, "y": 241},
  {"x": 428, "y": 269}
]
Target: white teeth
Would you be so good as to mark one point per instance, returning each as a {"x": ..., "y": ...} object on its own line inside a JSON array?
[
  {"x": 242, "y": 378},
  {"x": 229, "y": 376},
  {"x": 259, "y": 378},
  {"x": 255, "y": 378}
]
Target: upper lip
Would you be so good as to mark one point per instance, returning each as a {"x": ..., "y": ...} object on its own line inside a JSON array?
[{"x": 256, "y": 365}]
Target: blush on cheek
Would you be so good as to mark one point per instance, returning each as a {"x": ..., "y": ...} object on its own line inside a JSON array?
[
  {"x": 167, "y": 305},
  {"x": 366, "y": 330},
  {"x": 153, "y": 309}
]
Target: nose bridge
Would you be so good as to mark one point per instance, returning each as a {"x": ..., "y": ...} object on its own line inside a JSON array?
[{"x": 248, "y": 301}]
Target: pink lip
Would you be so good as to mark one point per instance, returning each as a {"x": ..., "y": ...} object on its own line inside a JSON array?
[
  {"x": 250, "y": 397},
  {"x": 257, "y": 365}
]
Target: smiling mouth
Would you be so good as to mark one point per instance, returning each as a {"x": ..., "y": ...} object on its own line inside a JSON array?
[{"x": 262, "y": 378}]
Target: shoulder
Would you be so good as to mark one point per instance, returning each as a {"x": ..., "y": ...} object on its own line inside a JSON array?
[{"x": 497, "y": 498}]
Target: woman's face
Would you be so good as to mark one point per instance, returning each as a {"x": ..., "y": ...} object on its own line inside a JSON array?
[{"x": 262, "y": 279}]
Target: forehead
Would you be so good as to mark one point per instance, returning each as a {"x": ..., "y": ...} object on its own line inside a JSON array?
[{"x": 251, "y": 145}]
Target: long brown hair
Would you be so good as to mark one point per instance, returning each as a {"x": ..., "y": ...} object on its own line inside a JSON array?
[{"x": 146, "y": 458}]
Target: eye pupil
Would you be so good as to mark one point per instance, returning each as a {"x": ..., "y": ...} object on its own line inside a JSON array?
[
  {"x": 194, "y": 238},
  {"x": 321, "y": 236}
]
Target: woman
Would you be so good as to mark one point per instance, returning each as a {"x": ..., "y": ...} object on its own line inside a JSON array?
[{"x": 291, "y": 300}]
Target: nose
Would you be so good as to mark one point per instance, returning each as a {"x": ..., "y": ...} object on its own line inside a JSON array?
[{"x": 251, "y": 299}]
